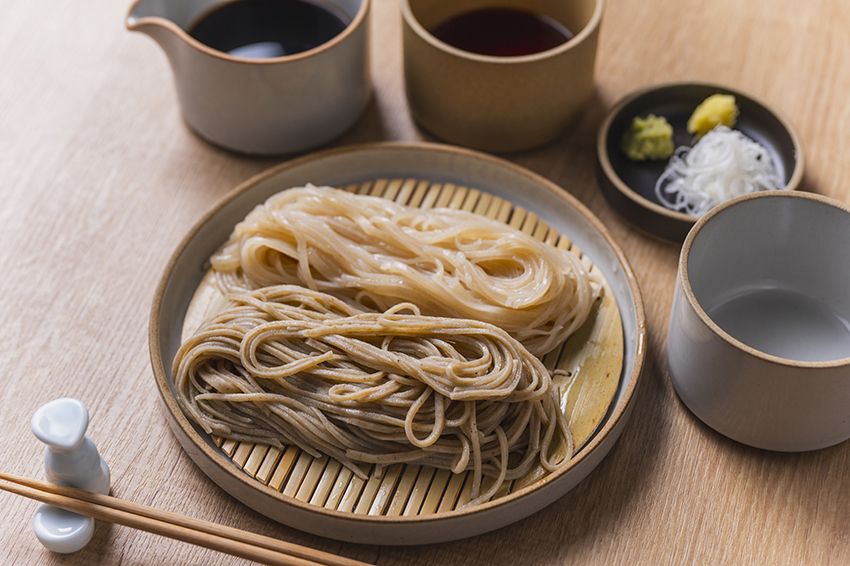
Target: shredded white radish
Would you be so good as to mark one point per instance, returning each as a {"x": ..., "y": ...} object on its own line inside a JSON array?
[{"x": 723, "y": 164}]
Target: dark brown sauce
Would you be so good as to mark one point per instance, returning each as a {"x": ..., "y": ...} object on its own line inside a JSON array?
[
  {"x": 503, "y": 32},
  {"x": 261, "y": 29}
]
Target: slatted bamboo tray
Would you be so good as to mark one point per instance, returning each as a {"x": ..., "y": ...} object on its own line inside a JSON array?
[
  {"x": 410, "y": 504},
  {"x": 592, "y": 359}
]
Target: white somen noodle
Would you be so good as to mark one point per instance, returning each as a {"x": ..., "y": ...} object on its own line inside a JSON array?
[{"x": 378, "y": 253}]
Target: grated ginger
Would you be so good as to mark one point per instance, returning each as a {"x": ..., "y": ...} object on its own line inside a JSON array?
[{"x": 716, "y": 110}]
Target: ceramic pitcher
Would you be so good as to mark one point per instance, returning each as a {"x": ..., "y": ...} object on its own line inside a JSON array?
[{"x": 276, "y": 105}]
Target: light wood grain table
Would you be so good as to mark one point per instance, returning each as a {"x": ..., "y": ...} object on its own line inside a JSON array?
[{"x": 100, "y": 179}]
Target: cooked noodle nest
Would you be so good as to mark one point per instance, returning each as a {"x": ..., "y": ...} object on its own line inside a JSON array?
[
  {"x": 333, "y": 322},
  {"x": 288, "y": 365},
  {"x": 378, "y": 253}
]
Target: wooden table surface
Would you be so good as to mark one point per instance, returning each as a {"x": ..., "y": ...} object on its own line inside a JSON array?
[{"x": 100, "y": 180}]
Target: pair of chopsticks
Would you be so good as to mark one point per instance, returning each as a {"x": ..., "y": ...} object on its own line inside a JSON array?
[{"x": 195, "y": 531}]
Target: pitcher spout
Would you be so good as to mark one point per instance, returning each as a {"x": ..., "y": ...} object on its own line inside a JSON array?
[{"x": 164, "y": 20}]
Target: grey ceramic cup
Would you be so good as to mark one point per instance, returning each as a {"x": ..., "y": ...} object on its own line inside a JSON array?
[{"x": 759, "y": 341}]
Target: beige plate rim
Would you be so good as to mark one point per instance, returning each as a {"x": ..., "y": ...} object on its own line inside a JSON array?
[{"x": 610, "y": 426}]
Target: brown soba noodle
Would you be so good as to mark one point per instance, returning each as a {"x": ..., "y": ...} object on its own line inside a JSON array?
[
  {"x": 287, "y": 365},
  {"x": 378, "y": 253}
]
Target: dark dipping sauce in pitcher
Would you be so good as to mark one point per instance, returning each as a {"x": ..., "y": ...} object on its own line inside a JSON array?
[
  {"x": 502, "y": 32},
  {"x": 262, "y": 29}
]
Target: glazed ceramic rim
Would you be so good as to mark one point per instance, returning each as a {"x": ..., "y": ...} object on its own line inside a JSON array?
[
  {"x": 573, "y": 43},
  {"x": 610, "y": 424},
  {"x": 684, "y": 276},
  {"x": 353, "y": 25},
  {"x": 631, "y": 194}
]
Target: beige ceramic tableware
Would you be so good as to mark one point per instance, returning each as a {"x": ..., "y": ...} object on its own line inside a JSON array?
[
  {"x": 262, "y": 106},
  {"x": 759, "y": 340},
  {"x": 405, "y": 504},
  {"x": 498, "y": 104}
]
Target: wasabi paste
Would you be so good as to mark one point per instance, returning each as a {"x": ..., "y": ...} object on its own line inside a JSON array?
[{"x": 648, "y": 138}]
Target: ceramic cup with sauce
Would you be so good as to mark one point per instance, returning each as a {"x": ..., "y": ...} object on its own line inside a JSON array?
[
  {"x": 260, "y": 98},
  {"x": 498, "y": 103},
  {"x": 759, "y": 341}
]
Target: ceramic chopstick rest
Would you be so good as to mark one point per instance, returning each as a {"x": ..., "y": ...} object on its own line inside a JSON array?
[
  {"x": 72, "y": 459},
  {"x": 60, "y": 530}
]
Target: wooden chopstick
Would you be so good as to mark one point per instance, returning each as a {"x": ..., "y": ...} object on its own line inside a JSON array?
[{"x": 187, "y": 529}]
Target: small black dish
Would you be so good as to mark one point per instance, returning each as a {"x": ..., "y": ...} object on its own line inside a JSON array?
[{"x": 629, "y": 186}]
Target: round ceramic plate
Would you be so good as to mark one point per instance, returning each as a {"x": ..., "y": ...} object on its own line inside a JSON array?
[
  {"x": 629, "y": 186},
  {"x": 406, "y": 505}
]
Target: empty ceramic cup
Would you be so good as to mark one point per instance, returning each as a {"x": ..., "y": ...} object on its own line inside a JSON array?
[
  {"x": 276, "y": 90},
  {"x": 759, "y": 340},
  {"x": 521, "y": 97}
]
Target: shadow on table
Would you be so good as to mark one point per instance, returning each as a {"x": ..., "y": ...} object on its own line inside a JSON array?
[{"x": 807, "y": 489}]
